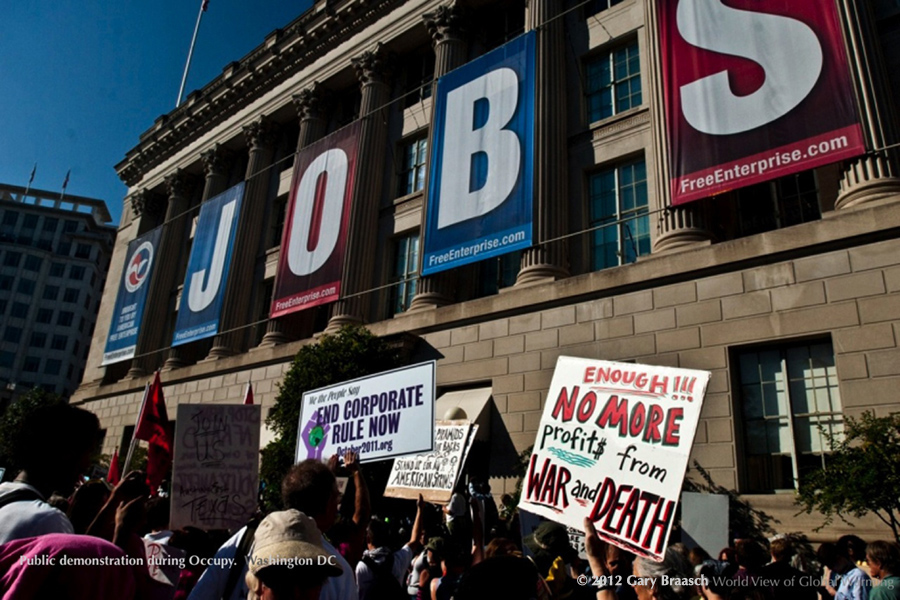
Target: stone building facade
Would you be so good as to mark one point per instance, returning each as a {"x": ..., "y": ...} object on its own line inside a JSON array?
[{"x": 787, "y": 291}]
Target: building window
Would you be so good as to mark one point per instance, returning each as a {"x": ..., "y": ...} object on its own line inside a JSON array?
[
  {"x": 50, "y": 224},
  {"x": 76, "y": 273},
  {"x": 11, "y": 258},
  {"x": 44, "y": 315},
  {"x": 57, "y": 269},
  {"x": 787, "y": 394},
  {"x": 64, "y": 248},
  {"x": 786, "y": 201},
  {"x": 82, "y": 250},
  {"x": 26, "y": 286},
  {"x": 33, "y": 263},
  {"x": 65, "y": 318},
  {"x": 3, "y": 303},
  {"x": 6, "y": 282},
  {"x": 412, "y": 170},
  {"x": 406, "y": 268},
  {"x": 597, "y": 6},
  {"x": 51, "y": 292},
  {"x": 31, "y": 364},
  {"x": 58, "y": 342},
  {"x": 618, "y": 211},
  {"x": 52, "y": 366},
  {"x": 613, "y": 82},
  {"x": 30, "y": 222},
  {"x": 70, "y": 295},
  {"x": 70, "y": 226},
  {"x": 38, "y": 339},
  {"x": 12, "y": 334},
  {"x": 7, "y": 358},
  {"x": 10, "y": 218},
  {"x": 498, "y": 273},
  {"x": 19, "y": 310}
]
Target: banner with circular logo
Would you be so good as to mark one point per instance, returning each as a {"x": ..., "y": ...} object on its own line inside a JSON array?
[{"x": 126, "y": 318}]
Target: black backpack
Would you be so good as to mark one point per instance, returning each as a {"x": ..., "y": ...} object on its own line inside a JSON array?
[{"x": 384, "y": 585}]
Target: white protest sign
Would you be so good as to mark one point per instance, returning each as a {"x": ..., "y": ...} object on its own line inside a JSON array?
[
  {"x": 379, "y": 416},
  {"x": 613, "y": 445},
  {"x": 215, "y": 477},
  {"x": 433, "y": 474}
]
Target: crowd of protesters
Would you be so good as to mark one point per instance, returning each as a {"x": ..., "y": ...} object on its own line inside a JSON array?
[{"x": 92, "y": 542}]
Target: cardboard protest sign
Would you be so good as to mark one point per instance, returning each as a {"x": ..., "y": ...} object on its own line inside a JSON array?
[
  {"x": 215, "y": 478},
  {"x": 379, "y": 416},
  {"x": 613, "y": 445},
  {"x": 433, "y": 474}
]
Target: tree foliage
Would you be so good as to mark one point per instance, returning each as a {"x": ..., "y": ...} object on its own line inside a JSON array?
[
  {"x": 862, "y": 474},
  {"x": 11, "y": 424},
  {"x": 353, "y": 352}
]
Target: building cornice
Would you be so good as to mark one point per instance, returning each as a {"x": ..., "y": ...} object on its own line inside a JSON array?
[{"x": 283, "y": 53}]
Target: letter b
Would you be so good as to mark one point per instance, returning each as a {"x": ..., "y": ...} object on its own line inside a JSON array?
[{"x": 462, "y": 141}]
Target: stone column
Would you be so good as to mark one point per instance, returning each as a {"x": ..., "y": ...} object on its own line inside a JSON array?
[
  {"x": 237, "y": 310},
  {"x": 450, "y": 51},
  {"x": 678, "y": 227},
  {"x": 548, "y": 260},
  {"x": 216, "y": 161},
  {"x": 874, "y": 176},
  {"x": 162, "y": 282},
  {"x": 372, "y": 68},
  {"x": 311, "y": 109}
]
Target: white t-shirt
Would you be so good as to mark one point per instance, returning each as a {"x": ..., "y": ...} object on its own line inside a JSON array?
[
  {"x": 29, "y": 518},
  {"x": 211, "y": 584},
  {"x": 364, "y": 575}
]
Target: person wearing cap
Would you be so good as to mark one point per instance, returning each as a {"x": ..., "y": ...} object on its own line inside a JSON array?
[
  {"x": 288, "y": 560},
  {"x": 550, "y": 548},
  {"x": 310, "y": 487}
]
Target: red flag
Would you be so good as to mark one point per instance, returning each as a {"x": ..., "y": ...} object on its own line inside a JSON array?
[
  {"x": 153, "y": 426},
  {"x": 113, "y": 476},
  {"x": 205, "y": 5},
  {"x": 248, "y": 396}
]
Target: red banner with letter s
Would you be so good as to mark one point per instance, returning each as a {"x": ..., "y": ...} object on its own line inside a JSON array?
[{"x": 754, "y": 90}]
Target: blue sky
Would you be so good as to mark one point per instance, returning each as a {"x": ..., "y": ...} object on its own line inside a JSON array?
[{"x": 80, "y": 81}]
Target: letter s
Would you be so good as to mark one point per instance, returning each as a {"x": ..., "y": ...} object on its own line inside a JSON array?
[
  {"x": 502, "y": 147},
  {"x": 199, "y": 297},
  {"x": 303, "y": 260},
  {"x": 788, "y": 51}
]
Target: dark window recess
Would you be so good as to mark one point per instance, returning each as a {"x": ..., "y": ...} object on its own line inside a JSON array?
[{"x": 786, "y": 201}]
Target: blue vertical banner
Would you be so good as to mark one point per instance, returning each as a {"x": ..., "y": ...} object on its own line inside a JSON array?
[
  {"x": 482, "y": 159},
  {"x": 129, "y": 309},
  {"x": 207, "y": 272}
]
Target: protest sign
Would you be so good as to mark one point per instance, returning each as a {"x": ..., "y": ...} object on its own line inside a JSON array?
[
  {"x": 612, "y": 445},
  {"x": 704, "y": 521},
  {"x": 433, "y": 474},
  {"x": 215, "y": 479},
  {"x": 164, "y": 564},
  {"x": 379, "y": 416}
]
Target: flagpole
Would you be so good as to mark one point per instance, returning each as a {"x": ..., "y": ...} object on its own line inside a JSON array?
[
  {"x": 30, "y": 180},
  {"x": 62, "y": 195},
  {"x": 187, "y": 65},
  {"x": 136, "y": 423}
]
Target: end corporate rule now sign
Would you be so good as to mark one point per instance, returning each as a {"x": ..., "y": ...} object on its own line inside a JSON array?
[
  {"x": 613, "y": 446},
  {"x": 754, "y": 90},
  {"x": 379, "y": 416}
]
